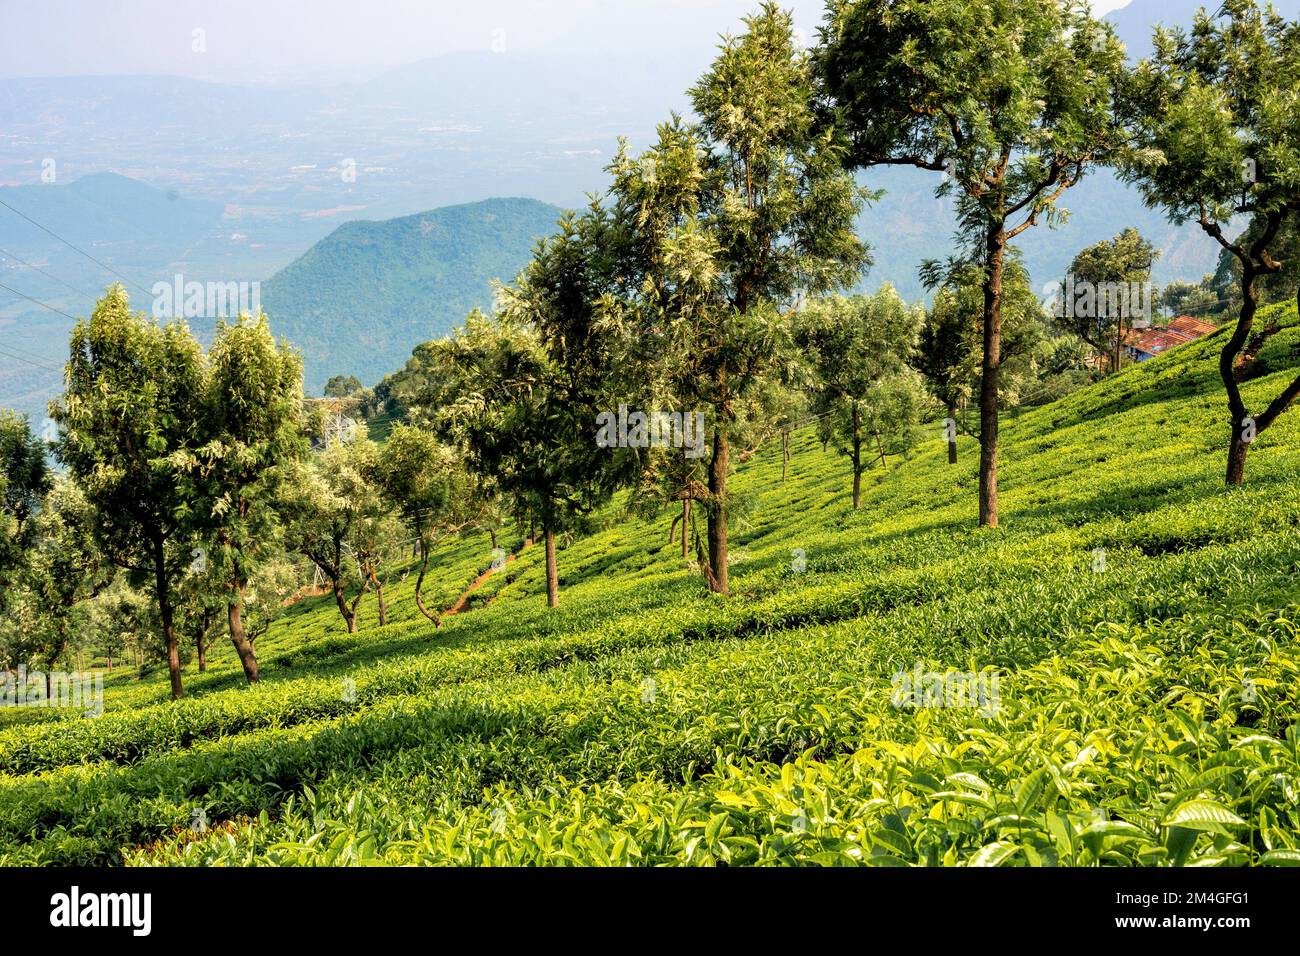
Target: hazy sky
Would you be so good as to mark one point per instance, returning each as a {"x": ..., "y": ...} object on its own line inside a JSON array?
[{"x": 320, "y": 40}]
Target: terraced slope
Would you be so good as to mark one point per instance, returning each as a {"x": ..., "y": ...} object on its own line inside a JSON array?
[{"x": 1140, "y": 701}]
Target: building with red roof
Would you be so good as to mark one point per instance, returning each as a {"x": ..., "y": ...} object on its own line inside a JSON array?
[{"x": 1145, "y": 344}]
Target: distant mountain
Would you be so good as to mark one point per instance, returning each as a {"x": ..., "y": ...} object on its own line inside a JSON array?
[
  {"x": 226, "y": 182},
  {"x": 363, "y": 297},
  {"x": 103, "y": 208},
  {"x": 909, "y": 225}
]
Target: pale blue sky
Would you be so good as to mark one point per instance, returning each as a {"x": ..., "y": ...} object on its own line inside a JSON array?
[{"x": 320, "y": 40}]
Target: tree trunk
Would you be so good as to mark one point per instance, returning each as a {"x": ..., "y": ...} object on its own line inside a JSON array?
[
  {"x": 857, "y": 458},
  {"x": 419, "y": 585},
  {"x": 880, "y": 445},
  {"x": 1236, "y": 470},
  {"x": 235, "y": 616},
  {"x": 686, "y": 523},
  {"x": 1119, "y": 337},
  {"x": 785, "y": 453},
  {"x": 552, "y": 576},
  {"x": 990, "y": 367},
  {"x": 718, "y": 468},
  {"x": 1237, "y": 456},
  {"x": 355, "y": 623},
  {"x": 383, "y": 604},
  {"x": 341, "y": 600},
  {"x": 952, "y": 438},
  {"x": 493, "y": 532},
  {"x": 162, "y": 589}
]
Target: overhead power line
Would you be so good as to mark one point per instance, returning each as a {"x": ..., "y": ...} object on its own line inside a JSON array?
[
  {"x": 19, "y": 358},
  {"x": 36, "y": 356},
  {"x": 67, "y": 285},
  {"x": 23, "y": 295},
  {"x": 102, "y": 265}
]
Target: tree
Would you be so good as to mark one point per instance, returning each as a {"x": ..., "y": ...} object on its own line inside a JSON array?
[
  {"x": 891, "y": 410},
  {"x": 951, "y": 348},
  {"x": 200, "y": 605},
  {"x": 942, "y": 348},
  {"x": 1010, "y": 99},
  {"x": 1190, "y": 298},
  {"x": 125, "y": 619},
  {"x": 432, "y": 494},
  {"x": 1215, "y": 116},
  {"x": 521, "y": 394},
  {"x": 327, "y": 506},
  {"x": 374, "y": 545},
  {"x": 265, "y": 594},
  {"x": 859, "y": 348},
  {"x": 1106, "y": 288},
  {"x": 127, "y": 410},
  {"x": 564, "y": 294},
  {"x": 24, "y": 481},
  {"x": 252, "y": 427},
  {"x": 343, "y": 386},
  {"x": 732, "y": 220},
  {"x": 63, "y": 570},
  {"x": 502, "y": 403}
]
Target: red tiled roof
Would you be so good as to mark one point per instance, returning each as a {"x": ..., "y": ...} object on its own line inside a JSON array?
[
  {"x": 1192, "y": 328},
  {"x": 1155, "y": 341},
  {"x": 1181, "y": 330}
]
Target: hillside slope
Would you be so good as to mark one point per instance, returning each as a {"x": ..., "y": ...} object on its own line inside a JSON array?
[
  {"x": 1140, "y": 619},
  {"x": 359, "y": 300}
]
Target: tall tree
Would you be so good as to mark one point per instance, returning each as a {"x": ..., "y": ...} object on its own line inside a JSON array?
[
  {"x": 1010, "y": 99},
  {"x": 252, "y": 429},
  {"x": 733, "y": 219},
  {"x": 859, "y": 348},
  {"x": 505, "y": 404},
  {"x": 564, "y": 294},
  {"x": 128, "y": 410},
  {"x": 520, "y": 394},
  {"x": 1215, "y": 117}
]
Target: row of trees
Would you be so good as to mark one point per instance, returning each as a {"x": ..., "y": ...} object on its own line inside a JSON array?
[
  {"x": 1014, "y": 100},
  {"x": 697, "y": 262},
  {"x": 704, "y": 281},
  {"x": 187, "y": 473},
  {"x": 1214, "y": 130}
]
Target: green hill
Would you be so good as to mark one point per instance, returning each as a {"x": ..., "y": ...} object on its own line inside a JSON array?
[
  {"x": 359, "y": 300},
  {"x": 1140, "y": 620}
]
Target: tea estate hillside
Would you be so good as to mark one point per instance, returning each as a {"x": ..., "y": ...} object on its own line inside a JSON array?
[{"x": 1110, "y": 677}]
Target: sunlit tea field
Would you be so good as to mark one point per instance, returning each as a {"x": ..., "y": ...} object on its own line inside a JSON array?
[{"x": 1110, "y": 677}]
